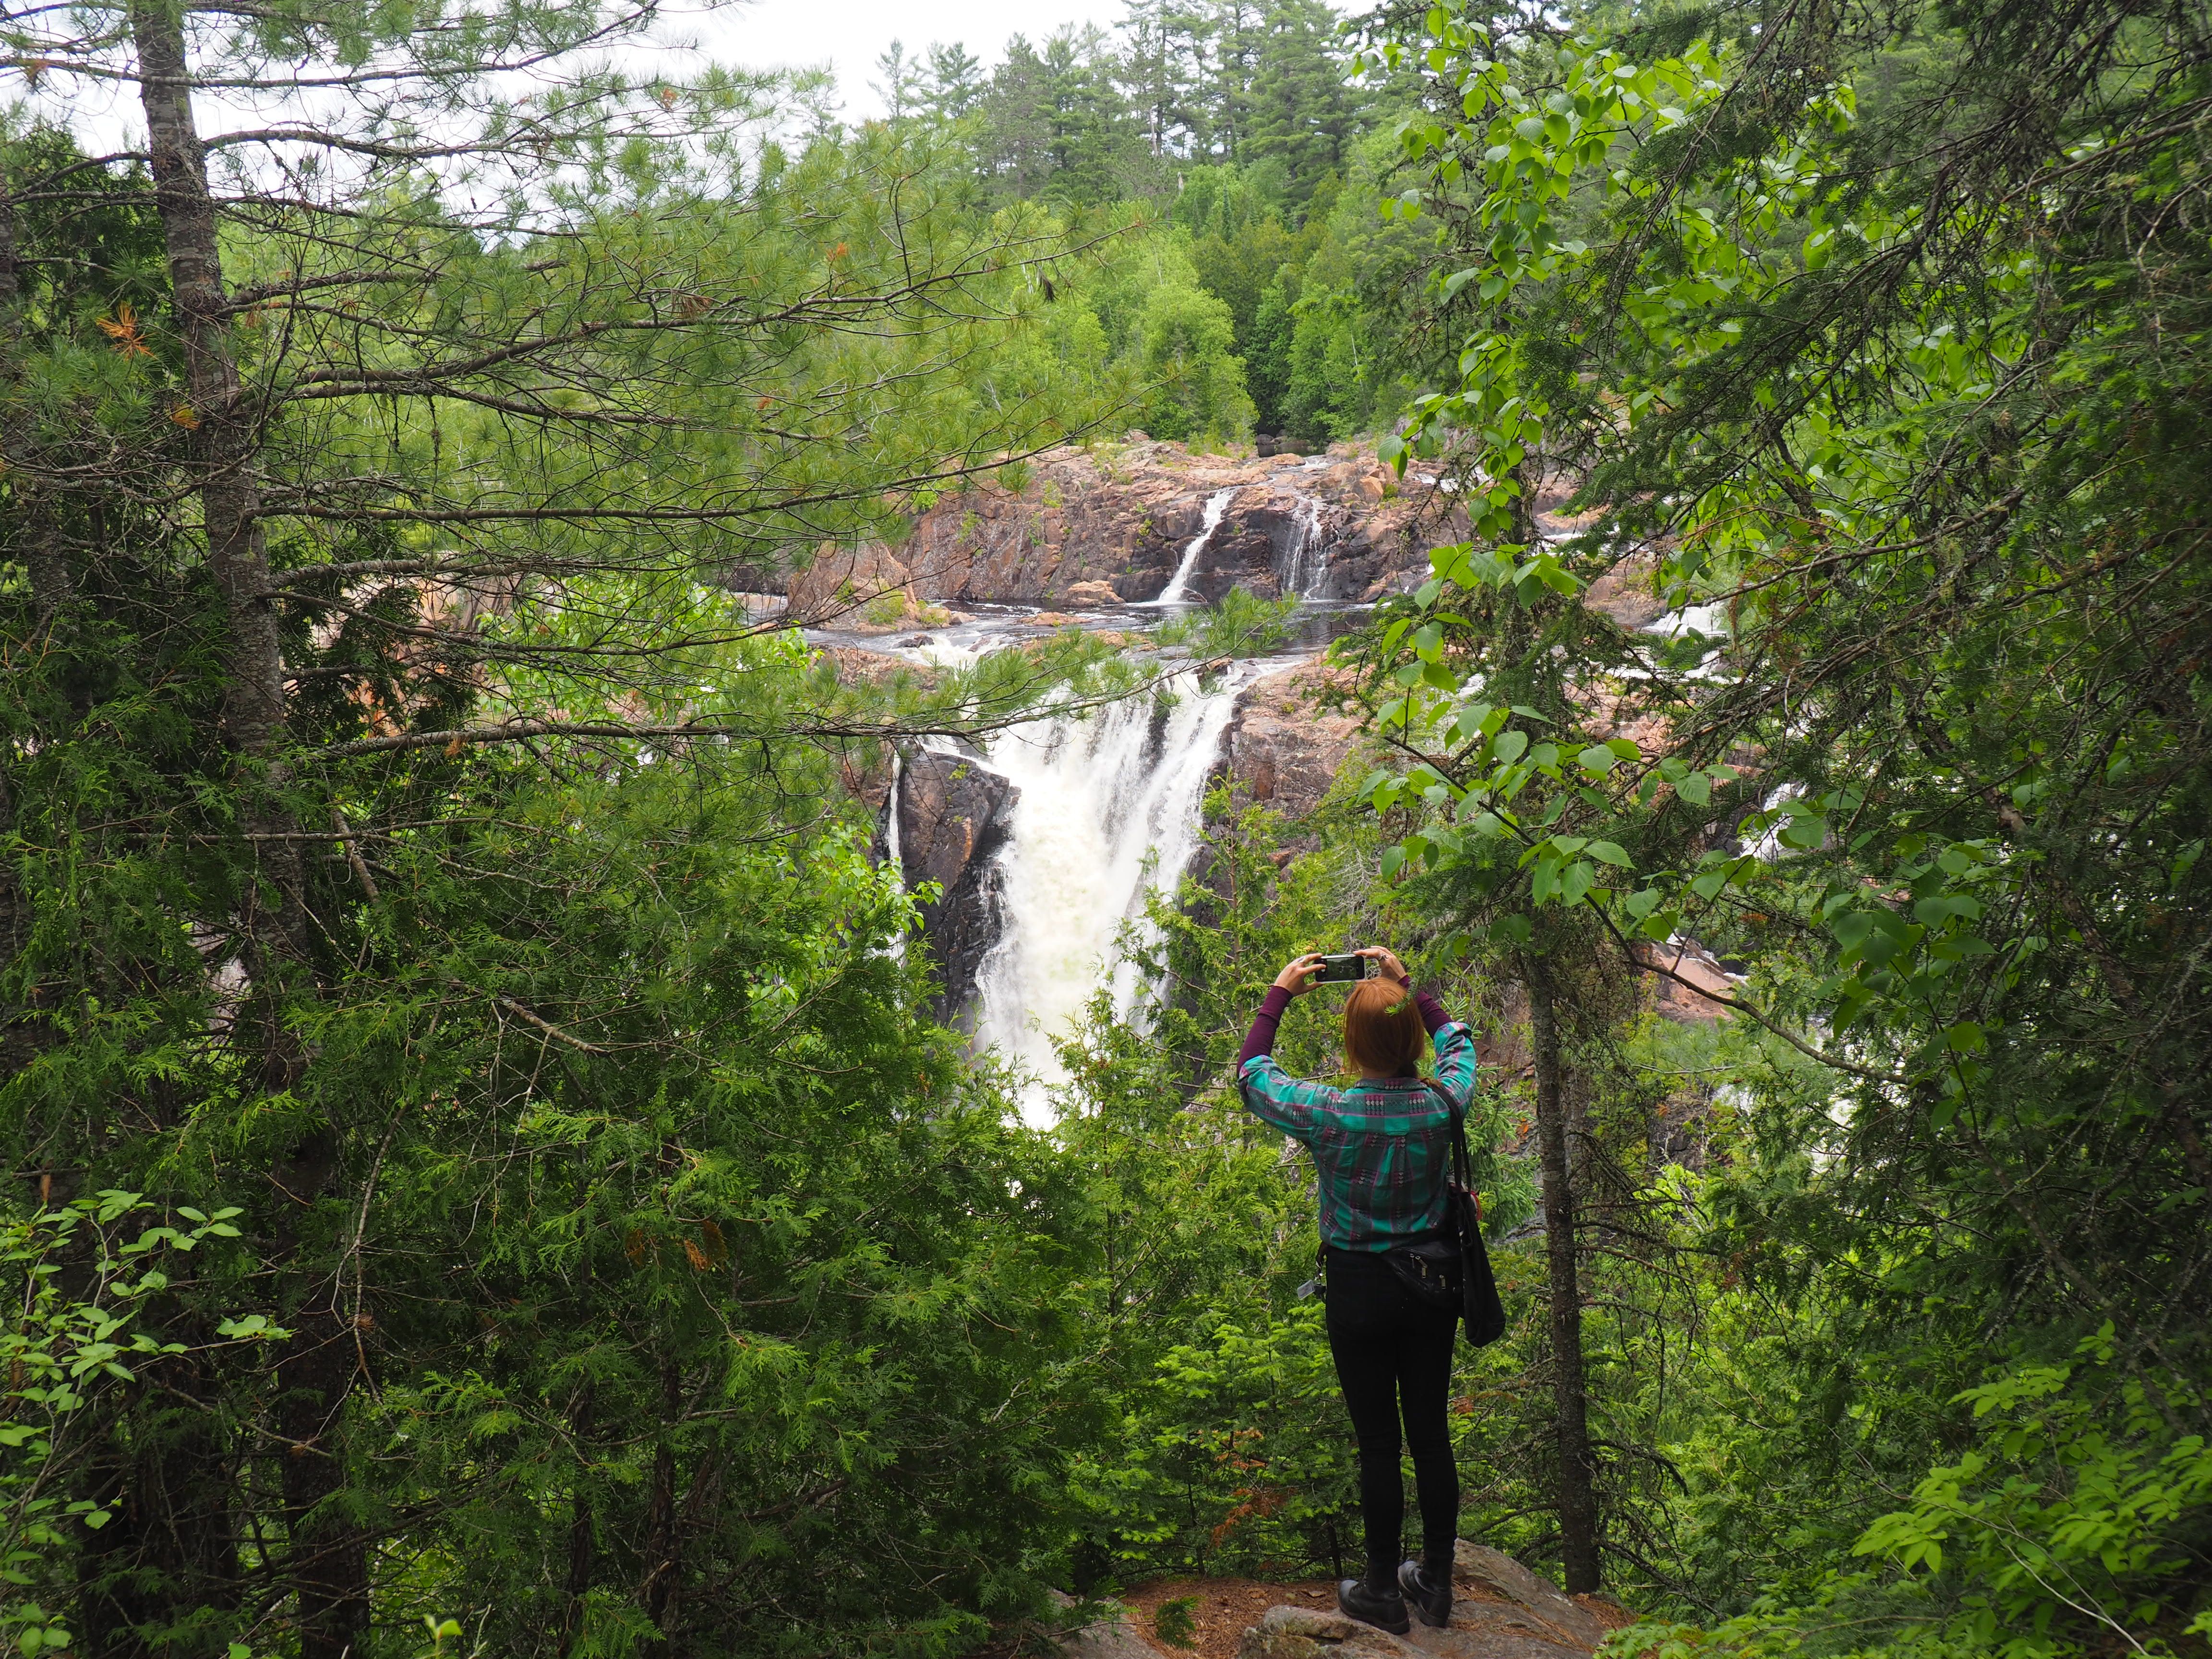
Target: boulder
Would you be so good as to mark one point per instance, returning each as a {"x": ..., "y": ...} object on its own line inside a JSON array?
[
  {"x": 952, "y": 819},
  {"x": 1480, "y": 1567},
  {"x": 1088, "y": 596},
  {"x": 842, "y": 585}
]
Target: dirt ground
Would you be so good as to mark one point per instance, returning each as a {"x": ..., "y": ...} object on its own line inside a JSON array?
[{"x": 1226, "y": 1608}]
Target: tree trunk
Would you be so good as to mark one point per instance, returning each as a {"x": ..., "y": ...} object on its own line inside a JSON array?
[
  {"x": 328, "y": 1562},
  {"x": 1578, "y": 1499},
  {"x": 221, "y": 430}
]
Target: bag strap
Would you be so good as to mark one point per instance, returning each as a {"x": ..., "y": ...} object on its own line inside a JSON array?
[{"x": 1462, "y": 1163}]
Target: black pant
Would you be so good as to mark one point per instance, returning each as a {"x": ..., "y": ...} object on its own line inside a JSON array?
[{"x": 1394, "y": 1358}]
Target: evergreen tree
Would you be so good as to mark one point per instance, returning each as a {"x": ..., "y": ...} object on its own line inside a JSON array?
[
  {"x": 956, "y": 83},
  {"x": 1056, "y": 126},
  {"x": 341, "y": 532},
  {"x": 1304, "y": 114},
  {"x": 902, "y": 89}
]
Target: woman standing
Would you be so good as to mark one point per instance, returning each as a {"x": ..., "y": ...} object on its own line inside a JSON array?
[{"x": 1382, "y": 1149}]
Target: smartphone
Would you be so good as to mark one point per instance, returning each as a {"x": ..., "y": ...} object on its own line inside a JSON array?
[{"x": 1346, "y": 968}]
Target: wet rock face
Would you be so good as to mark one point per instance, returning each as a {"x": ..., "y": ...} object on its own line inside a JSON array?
[
  {"x": 952, "y": 819},
  {"x": 1116, "y": 519}
]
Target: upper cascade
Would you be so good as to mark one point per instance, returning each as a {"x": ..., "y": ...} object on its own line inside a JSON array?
[{"x": 1128, "y": 523}]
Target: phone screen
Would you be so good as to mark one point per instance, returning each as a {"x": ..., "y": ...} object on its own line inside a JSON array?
[{"x": 1350, "y": 966}]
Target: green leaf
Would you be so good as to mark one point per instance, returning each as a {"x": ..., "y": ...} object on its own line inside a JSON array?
[
  {"x": 1580, "y": 878},
  {"x": 1804, "y": 833},
  {"x": 1608, "y": 853},
  {"x": 1965, "y": 1037}
]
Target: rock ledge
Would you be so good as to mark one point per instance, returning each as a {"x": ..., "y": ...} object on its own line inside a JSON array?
[{"x": 1500, "y": 1610}]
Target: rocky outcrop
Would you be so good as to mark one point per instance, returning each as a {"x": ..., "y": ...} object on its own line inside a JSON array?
[
  {"x": 1285, "y": 749},
  {"x": 1092, "y": 525},
  {"x": 1500, "y": 1610},
  {"x": 1111, "y": 1635},
  {"x": 952, "y": 819}
]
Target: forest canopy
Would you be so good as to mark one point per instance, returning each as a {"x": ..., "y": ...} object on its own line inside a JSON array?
[{"x": 484, "y": 1166}]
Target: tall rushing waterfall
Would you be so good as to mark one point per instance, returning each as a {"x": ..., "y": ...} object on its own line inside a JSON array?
[
  {"x": 1177, "y": 589},
  {"x": 1109, "y": 809}
]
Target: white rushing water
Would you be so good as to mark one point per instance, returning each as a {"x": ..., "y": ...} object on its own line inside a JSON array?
[
  {"x": 1176, "y": 592},
  {"x": 1109, "y": 809},
  {"x": 1305, "y": 567}
]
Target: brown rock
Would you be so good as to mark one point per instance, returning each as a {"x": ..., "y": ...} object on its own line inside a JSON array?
[
  {"x": 1281, "y": 747},
  {"x": 1501, "y": 1610},
  {"x": 1107, "y": 525},
  {"x": 842, "y": 582},
  {"x": 854, "y": 662},
  {"x": 1477, "y": 1630},
  {"x": 1698, "y": 1001},
  {"x": 1478, "y": 1567}
]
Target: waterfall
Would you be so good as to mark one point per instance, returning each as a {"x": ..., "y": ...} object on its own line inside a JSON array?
[
  {"x": 894, "y": 854},
  {"x": 1305, "y": 566},
  {"x": 1173, "y": 593},
  {"x": 893, "y": 846},
  {"x": 1100, "y": 798}
]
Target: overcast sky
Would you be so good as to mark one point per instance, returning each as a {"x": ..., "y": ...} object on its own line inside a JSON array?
[
  {"x": 843, "y": 36},
  {"x": 849, "y": 35}
]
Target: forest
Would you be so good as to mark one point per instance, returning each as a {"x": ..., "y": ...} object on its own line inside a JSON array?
[{"x": 489, "y": 1168}]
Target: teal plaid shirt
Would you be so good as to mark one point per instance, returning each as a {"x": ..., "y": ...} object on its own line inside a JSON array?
[{"x": 1382, "y": 1148}]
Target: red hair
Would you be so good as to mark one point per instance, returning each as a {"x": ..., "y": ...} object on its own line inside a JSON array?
[{"x": 1383, "y": 1030}]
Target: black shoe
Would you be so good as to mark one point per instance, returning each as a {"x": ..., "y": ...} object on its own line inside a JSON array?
[
  {"x": 1384, "y": 1609},
  {"x": 1432, "y": 1600}
]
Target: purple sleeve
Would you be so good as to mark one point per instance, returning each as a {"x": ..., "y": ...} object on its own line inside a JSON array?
[
  {"x": 1432, "y": 1011},
  {"x": 1261, "y": 1039}
]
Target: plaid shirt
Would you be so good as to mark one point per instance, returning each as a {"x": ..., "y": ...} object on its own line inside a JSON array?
[{"x": 1382, "y": 1148}]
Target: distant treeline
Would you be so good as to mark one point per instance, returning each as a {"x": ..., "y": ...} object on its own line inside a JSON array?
[{"x": 1234, "y": 130}]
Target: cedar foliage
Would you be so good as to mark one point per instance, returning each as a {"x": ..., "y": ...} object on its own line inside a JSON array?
[{"x": 481, "y": 1161}]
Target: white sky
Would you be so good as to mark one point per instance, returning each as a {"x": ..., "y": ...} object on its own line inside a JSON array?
[
  {"x": 844, "y": 36},
  {"x": 847, "y": 36}
]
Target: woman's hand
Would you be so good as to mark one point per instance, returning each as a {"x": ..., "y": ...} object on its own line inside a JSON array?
[
  {"x": 1391, "y": 966},
  {"x": 1297, "y": 976}
]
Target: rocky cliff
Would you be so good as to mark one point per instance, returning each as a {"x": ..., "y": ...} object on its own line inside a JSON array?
[
  {"x": 1111, "y": 523},
  {"x": 1285, "y": 747},
  {"x": 952, "y": 819}
]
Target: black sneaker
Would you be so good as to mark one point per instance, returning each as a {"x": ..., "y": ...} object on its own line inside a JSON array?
[
  {"x": 1384, "y": 1609},
  {"x": 1432, "y": 1600}
]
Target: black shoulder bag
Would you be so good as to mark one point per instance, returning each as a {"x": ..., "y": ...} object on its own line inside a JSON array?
[{"x": 1453, "y": 1270}]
